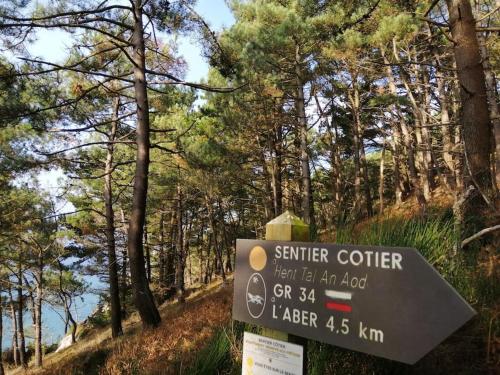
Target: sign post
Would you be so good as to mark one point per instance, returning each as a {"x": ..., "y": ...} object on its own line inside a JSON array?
[
  {"x": 287, "y": 227},
  {"x": 385, "y": 301}
]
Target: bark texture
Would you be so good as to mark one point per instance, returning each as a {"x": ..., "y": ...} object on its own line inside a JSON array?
[
  {"x": 38, "y": 309},
  {"x": 305, "y": 172},
  {"x": 476, "y": 125},
  {"x": 114, "y": 288},
  {"x": 143, "y": 298},
  {"x": 20, "y": 318}
]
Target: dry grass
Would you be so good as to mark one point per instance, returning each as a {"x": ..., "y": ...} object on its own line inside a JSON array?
[
  {"x": 168, "y": 348},
  {"x": 164, "y": 350}
]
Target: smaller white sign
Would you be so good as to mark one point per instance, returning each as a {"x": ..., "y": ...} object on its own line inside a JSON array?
[{"x": 266, "y": 356}]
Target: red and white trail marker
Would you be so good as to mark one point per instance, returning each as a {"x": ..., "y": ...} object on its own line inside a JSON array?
[{"x": 338, "y": 301}]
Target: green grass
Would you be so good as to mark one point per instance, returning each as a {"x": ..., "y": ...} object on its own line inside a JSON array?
[
  {"x": 222, "y": 354},
  {"x": 434, "y": 238},
  {"x": 214, "y": 357},
  {"x": 462, "y": 353}
]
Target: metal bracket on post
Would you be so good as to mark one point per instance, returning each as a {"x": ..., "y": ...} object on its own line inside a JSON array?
[{"x": 287, "y": 227}]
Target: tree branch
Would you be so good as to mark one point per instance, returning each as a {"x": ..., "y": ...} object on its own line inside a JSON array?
[{"x": 479, "y": 234}]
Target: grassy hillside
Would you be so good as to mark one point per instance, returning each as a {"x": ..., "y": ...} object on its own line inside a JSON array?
[{"x": 169, "y": 349}]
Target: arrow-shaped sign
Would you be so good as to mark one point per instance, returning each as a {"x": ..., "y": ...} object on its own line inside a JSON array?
[{"x": 385, "y": 301}]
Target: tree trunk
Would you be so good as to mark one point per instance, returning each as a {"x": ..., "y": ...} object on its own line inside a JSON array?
[
  {"x": 396, "y": 156},
  {"x": 218, "y": 251},
  {"x": 161, "y": 252},
  {"x": 67, "y": 302},
  {"x": 491, "y": 91},
  {"x": 179, "y": 271},
  {"x": 447, "y": 146},
  {"x": 2, "y": 372},
  {"x": 187, "y": 250},
  {"x": 419, "y": 115},
  {"x": 446, "y": 132},
  {"x": 38, "y": 310},
  {"x": 307, "y": 202},
  {"x": 424, "y": 99},
  {"x": 74, "y": 324},
  {"x": 20, "y": 319},
  {"x": 381, "y": 181},
  {"x": 336, "y": 169},
  {"x": 276, "y": 172},
  {"x": 357, "y": 172},
  {"x": 208, "y": 273},
  {"x": 476, "y": 125},
  {"x": 361, "y": 180},
  {"x": 143, "y": 298},
  {"x": 171, "y": 254},
  {"x": 228, "y": 245},
  {"x": 407, "y": 135},
  {"x": 15, "y": 342},
  {"x": 335, "y": 162},
  {"x": 223, "y": 242},
  {"x": 148, "y": 254},
  {"x": 189, "y": 261},
  {"x": 124, "y": 283},
  {"x": 114, "y": 288},
  {"x": 364, "y": 173},
  {"x": 268, "y": 198}
]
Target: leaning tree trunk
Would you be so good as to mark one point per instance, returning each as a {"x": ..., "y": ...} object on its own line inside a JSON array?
[
  {"x": 476, "y": 125},
  {"x": 114, "y": 288},
  {"x": 74, "y": 324},
  {"x": 67, "y": 302},
  {"x": 143, "y": 298}
]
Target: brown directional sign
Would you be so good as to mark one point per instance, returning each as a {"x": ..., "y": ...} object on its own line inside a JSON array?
[{"x": 385, "y": 301}]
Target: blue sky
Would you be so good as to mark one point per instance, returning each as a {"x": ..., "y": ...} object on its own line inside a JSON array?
[
  {"x": 52, "y": 45},
  {"x": 218, "y": 16}
]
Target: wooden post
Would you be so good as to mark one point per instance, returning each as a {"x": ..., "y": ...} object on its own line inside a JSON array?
[{"x": 287, "y": 227}]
